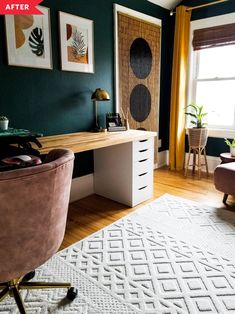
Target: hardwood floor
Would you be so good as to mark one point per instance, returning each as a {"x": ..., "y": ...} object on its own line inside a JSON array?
[{"x": 94, "y": 212}]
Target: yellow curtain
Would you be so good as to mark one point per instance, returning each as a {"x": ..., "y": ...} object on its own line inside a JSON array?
[{"x": 178, "y": 88}]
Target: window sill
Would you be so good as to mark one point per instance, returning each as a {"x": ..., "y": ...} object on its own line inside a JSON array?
[{"x": 220, "y": 133}]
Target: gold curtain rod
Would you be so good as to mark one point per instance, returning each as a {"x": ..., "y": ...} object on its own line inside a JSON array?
[{"x": 201, "y": 6}]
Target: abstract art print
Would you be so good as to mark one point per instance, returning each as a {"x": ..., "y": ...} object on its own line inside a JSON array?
[
  {"x": 76, "y": 40},
  {"x": 28, "y": 40}
]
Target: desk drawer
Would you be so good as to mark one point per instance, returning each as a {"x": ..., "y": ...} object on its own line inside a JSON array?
[
  {"x": 142, "y": 194},
  {"x": 143, "y": 154},
  {"x": 143, "y": 144},
  {"x": 142, "y": 149},
  {"x": 143, "y": 165},
  {"x": 143, "y": 179}
]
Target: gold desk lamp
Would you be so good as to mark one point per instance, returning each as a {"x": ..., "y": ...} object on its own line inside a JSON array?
[{"x": 98, "y": 95}]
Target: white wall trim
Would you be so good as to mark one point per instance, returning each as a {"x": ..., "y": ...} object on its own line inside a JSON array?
[
  {"x": 212, "y": 21},
  {"x": 211, "y": 160},
  {"x": 199, "y": 24},
  {"x": 163, "y": 159},
  {"x": 169, "y": 4},
  {"x": 218, "y": 133},
  {"x": 221, "y": 133},
  {"x": 82, "y": 187}
]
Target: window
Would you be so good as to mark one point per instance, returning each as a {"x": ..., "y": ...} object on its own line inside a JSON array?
[
  {"x": 214, "y": 85},
  {"x": 212, "y": 81}
]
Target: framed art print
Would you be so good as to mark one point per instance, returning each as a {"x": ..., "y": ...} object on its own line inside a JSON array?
[
  {"x": 76, "y": 41},
  {"x": 28, "y": 40}
]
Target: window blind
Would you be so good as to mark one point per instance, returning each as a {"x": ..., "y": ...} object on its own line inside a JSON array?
[{"x": 214, "y": 36}]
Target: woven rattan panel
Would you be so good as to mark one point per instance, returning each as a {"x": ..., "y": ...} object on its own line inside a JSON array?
[{"x": 139, "y": 71}]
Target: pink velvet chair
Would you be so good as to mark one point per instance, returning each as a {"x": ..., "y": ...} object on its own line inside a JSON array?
[
  {"x": 224, "y": 179},
  {"x": 34, "y": 204}
]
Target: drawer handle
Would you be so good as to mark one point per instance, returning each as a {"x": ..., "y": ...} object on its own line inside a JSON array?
[
  {"x": 143, "y": 150},
  {"x": 143, "y": 174},
  {"x": 143, "y": 187},
  {"x": 143, "y": 160},
  {"x": 142, "y": 141}
]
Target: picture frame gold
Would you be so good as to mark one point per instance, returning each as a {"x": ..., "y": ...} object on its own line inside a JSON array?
[
  {"x": 28, "y": 39},
  {"x": 77, "y": 43}
]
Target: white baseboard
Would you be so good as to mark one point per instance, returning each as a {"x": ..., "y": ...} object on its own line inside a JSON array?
[
  {"x": 163, "y": 160},
  {"x": 82, "y": 187},
  {"x": 211, "y": 160}
]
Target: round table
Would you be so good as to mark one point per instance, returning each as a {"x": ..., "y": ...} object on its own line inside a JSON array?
[{"x": 226, "y": 157}]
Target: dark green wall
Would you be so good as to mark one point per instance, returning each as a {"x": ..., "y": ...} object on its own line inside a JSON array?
[
  {"x": 215, "y": 146},
  {"x": 57, "y": 102}
]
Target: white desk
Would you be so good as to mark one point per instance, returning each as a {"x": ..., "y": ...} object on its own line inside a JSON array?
[{"x": 123, "y": 161}]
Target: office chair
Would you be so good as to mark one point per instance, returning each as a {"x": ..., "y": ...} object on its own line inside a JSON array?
[{"x": 33, "y": 204}]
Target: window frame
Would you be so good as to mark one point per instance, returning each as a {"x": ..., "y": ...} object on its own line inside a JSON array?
[{"x": 193, "y": 67}]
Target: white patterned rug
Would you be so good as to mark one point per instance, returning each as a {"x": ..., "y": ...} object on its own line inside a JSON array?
[{"x": 171, "y": 256}]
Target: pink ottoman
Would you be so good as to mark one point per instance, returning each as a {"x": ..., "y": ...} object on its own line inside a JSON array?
[{"x": 224, "y": 179}]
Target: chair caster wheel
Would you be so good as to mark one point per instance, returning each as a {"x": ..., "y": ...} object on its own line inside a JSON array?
[
  {"x": 29, "y": 276},
  {"x": 72, "y": 293}
]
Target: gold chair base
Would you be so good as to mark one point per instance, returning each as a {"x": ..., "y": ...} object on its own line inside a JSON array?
[{"x": 12, "y": 288}]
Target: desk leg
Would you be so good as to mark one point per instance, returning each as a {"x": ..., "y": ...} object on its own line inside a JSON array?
[{"x": 113, "y": 172}]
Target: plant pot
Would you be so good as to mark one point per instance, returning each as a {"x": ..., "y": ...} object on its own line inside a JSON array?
[
  {"x": 4, "y": 125},
  {"x": 232, "y": 151},
  {"x": 197, "y": 137}
]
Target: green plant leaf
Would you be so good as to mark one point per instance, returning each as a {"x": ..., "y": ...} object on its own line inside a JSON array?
[
  {"x": 228, "y": 142},
  {"x": 197, "y": 114},
  {"x": 195, "y": 107},
  {"x": 191, "y": 114}
]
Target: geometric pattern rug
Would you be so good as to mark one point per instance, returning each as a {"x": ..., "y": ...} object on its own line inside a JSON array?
[{"x": 170, "y": 256}]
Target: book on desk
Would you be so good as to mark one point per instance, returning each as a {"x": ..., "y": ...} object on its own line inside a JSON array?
[{"x": 114, "y": 123}]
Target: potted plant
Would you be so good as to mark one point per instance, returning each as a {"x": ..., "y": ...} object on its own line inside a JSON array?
[
  {"x": 197, "y": 135},
  {"x": 3, "y": 123},
  {"x": 231, "y": 146}
]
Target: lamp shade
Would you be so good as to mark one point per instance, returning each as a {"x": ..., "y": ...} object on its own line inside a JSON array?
[{"x": 100, "y": 95}]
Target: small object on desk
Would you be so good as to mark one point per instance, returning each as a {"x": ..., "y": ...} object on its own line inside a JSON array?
[
  {"x": 98, "y": 95},
  {"x": 116, "y": 128},
  {"x": 114, "y": 122},
  {"x": 226, "y": 157},
  {"x": 3, "y": 123},
  {"x": 125, "y": 119},
  {"x": 126, "y": 124}
]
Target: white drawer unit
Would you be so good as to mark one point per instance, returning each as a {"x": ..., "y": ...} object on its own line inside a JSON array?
[
  {"x": 142, "y": 145},
  {"x": 124, "y": 172}
]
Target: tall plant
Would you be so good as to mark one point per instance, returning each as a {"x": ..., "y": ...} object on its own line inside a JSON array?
[{"x": 197, "y": 115}]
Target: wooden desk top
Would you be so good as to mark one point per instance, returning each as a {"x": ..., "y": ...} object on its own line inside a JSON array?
[{"x": 84, "y": 141}]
